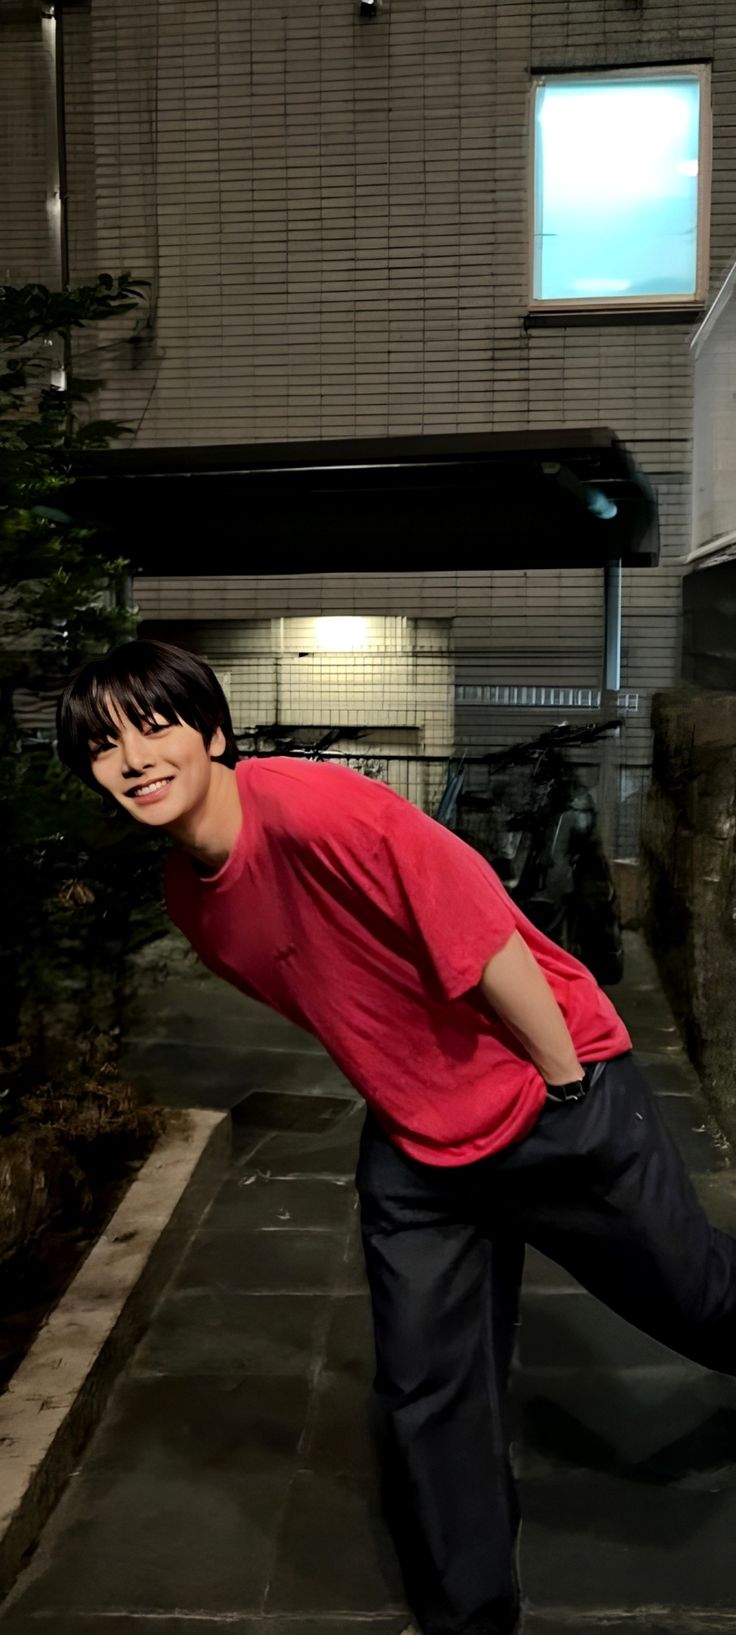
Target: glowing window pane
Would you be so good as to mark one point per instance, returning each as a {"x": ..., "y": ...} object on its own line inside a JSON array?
[{"x": 616, "y": 188}]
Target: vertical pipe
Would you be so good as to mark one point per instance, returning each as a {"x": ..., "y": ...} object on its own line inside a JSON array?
[
  {"x": 612, "y": 648},
  {"x": 608, "y": 780},
  {"x": 53, "y": 187},
  {"x": 52, "y": 35},
  {"x": 61, "y": 146}
]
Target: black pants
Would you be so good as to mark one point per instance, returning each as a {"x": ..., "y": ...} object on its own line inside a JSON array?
[{"x": 599, "y": 1187}]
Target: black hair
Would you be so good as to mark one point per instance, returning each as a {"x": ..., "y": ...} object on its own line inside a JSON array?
[{"x": 141, "y": 678}]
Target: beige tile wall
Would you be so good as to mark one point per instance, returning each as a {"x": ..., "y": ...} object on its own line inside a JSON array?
[
  {"x": 278, "y": 673},
  {"x": 334, "y": 217},
  {"x": 27, "y": 244},
  {"x": 397, "y": 685}
]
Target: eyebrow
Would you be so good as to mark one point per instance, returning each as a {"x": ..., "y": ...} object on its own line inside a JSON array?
[
  {"x": 101, "y": 728},
  {"x": 108, "y": 730}
]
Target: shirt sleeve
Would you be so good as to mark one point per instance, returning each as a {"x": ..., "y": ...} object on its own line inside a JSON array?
[{"x": 454, "y": 902}]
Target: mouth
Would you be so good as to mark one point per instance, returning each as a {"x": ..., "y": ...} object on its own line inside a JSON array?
[{"x": 145, "y": 792}]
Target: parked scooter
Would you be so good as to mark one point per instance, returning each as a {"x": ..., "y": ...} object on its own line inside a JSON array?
[{"x": 536, "y": 823}]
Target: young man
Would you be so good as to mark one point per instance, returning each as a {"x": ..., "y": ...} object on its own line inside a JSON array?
[{"x": 505, "y": 1105}]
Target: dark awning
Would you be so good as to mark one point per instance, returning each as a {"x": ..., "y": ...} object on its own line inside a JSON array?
[{"x": 542, "y": 499}]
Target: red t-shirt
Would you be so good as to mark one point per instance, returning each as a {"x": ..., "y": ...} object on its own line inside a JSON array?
[{"x": 350, "y": 912}]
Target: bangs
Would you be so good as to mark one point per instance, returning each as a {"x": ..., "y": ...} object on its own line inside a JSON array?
[
  {"x": 140, "y": 700},
  {"x": 139, "y": 680}
]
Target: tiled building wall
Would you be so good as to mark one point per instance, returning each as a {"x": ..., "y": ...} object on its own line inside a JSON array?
[
  {"x": 334, "y": 217},
  {"x": 396, "y": 673},
  {"x": 391, "y": 677},
  {"x": 507, "y": 628},
  {"x": 338, "y": 211},
  {"x": 28, "y": 251}
]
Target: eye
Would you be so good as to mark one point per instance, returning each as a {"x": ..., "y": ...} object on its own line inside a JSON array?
[{"x": 105, "y": 743}]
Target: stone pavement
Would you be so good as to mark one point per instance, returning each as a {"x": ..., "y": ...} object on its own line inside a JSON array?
[{"x": 231, "y": 1483}]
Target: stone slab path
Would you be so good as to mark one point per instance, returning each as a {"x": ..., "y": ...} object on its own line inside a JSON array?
[{"x": 231, "y": 1484}]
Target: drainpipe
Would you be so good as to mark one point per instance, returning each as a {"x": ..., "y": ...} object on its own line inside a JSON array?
[
  {"x": 57, "y": 197},
  {"x": 52, "y": 35},
  {"x": 612, "y": 652},
  {"x": 608, "y": 781}
]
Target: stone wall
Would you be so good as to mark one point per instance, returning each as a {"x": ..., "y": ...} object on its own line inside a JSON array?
[{"x": 689, "y": 858}]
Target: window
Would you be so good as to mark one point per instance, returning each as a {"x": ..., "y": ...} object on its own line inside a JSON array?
[{"x": 621, "y": 167}]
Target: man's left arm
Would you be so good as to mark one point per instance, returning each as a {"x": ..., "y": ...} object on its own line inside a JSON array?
[{"x": 516, "y": 988}]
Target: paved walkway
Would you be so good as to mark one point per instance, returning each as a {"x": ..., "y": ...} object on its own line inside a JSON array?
[{"x": 231, "y": 1483}]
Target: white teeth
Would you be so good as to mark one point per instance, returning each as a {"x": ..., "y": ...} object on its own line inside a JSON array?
[{"x": 148, "y": 788}]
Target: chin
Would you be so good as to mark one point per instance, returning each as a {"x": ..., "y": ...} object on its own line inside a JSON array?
[{"x": 155, "y": 816}]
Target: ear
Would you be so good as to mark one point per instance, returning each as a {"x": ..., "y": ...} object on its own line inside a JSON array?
[{"x": 218, "y": 744}]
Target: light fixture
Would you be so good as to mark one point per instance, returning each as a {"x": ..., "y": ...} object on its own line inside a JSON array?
[
  {"x": 593, "y": 498},
  {"x": 341, "y": 635},
  {"x": 368, "y": 8},
  {"x": 600, "y": 504}
]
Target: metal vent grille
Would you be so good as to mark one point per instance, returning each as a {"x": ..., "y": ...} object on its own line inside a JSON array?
[{"x": 520, "y": 696}]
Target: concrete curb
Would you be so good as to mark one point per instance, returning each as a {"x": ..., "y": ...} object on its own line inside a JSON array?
[{"x": 57, "y": 1395}]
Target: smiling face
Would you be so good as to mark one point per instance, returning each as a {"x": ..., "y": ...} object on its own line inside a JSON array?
[{"x": 158, "y": 771}]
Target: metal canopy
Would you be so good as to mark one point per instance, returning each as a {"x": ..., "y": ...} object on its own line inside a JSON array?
[{"x": 547, "y": 499}]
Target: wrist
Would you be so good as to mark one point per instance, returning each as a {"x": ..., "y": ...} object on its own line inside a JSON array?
[{"x": 576, "y": 1075}]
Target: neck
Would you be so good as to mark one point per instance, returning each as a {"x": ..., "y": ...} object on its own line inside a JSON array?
[{"x": 209, "y": 832}]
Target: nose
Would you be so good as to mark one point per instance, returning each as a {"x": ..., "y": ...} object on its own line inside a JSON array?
[{"x": 135, "y": 750}]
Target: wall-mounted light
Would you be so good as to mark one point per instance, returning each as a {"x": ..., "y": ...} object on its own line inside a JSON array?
[
  {"x": 341, "y": 635},
  {"x": 592, "y": 498},
  {"x": 600, "y": 504},
  {"x": 368, "y": 8}
]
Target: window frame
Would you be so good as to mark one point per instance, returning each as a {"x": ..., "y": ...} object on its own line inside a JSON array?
[{"x": 653, "y": 304}]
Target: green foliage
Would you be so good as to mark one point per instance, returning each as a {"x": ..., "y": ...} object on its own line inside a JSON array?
[
  {"x": 60, "y": 602},
  {"x": 33, "y": 311}
]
